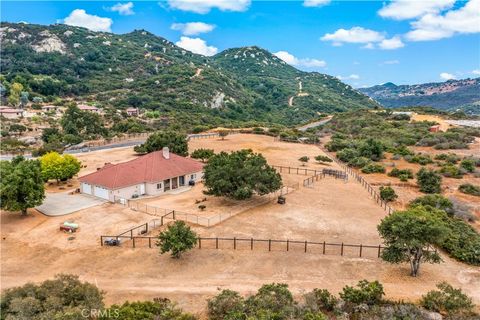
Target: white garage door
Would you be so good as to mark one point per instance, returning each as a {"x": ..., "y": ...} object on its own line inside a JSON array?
[
  {"x": 86, "y": 188},
  {"x": 101, "y": 193}
]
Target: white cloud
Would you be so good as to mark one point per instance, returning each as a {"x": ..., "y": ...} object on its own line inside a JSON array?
[
  {"x": 476, "y": 72},
  {"x": 435, "y": 26},
  {"x": 350, "y": 77},
  {"x": 369, "y": 46},
  {"x": 409, "y": 9},
  {"x": 390, "y": 62},
  {"x": 294, "y": 61},
  {"x": 80, "y": 18},
  {"x": 124, "y": 9},
  {"x": 315, "y": 3},
  {"x": 192, "y": 28},
  {"x": 204, "y": 6},
  {"x": 447, "y": 76},
  {"x": 391, "y": 44},
  {"x": 196, "y": 45},
  {"x": 353, "y": 35}
]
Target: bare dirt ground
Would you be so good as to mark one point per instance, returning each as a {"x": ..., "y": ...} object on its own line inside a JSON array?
[
  {"x": 33, "y": 249},
  {"x": 427, "y": 117}
]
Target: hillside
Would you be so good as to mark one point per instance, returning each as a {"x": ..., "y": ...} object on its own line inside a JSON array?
[
  {"x": 450, "y": 95},
  {"x": 143, "y": 70}
]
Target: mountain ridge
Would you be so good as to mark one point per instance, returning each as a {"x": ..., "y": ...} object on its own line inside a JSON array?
[{"x": 144, "y": 70}]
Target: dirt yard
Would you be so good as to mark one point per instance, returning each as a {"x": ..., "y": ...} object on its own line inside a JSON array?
[{"x": 33, "y": 249}]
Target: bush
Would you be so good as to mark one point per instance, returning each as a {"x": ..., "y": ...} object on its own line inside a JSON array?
[
  {"x": 470, "y": 189},
  {"x": 468, "y": 165},
  {"x": 347, "y": 154},
  {"x": 320, "y": 299},
  {"x": 359, "y": 162},
  {"x": 158, "y": 309},
  {"x": 226, "y": 305},
  {"x": 373, "y": 168},
  {"x": 272, "y": 301},
  {"x": 177, "y": 239},
  {"x": 419, "y": 158},
  {"x": 447, "y": 299},
  {"x": 321, "y": 158},
  {"x": 202, "y": 154},
  {"x": 366, "y": 292},
  {"x": 451, "y": 171},
  {"x": 449, "y": 158},
  {"x": 436, "y": 201},
  {"x": 402, "y": 174},
  {"x": 429, "y": 181},
  {"x": 387, "y": 194},
  {"x": 304, "y": 160},
  {"x": 463, "y": 242},
  {"x": 61, "y": 298}
]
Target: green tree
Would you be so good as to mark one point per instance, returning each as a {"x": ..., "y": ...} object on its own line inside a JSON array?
[
  {"x": 59, "y": 167},
  {"x": 17, "y": 128},
  {"x": 82, "y": 123},
  {"x": 14, "y": 96},
  {"x": 239, "y": 174},
  {"x": 51, "y": 135},
  {"x": 387, "y": 194},
  {"x": 429, "y": 181},
  {"x": 227, "y": 305},
  {"x": 21, "y": 185},
  {"x": 202, "y": 154},
  {"x": 176, "y": 143},
  {"x": 24, "y": 98},
  {"x": 272, "y": 301},
  {"x": 410, "y": 235},
  {"x": 177, "y": 239},
  {"x": 371, "y": 149},
  {"x": 436, "y": 201},
  {"x": 304, "y": 160}
]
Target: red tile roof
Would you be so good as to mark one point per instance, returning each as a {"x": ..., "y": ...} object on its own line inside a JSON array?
[{"x": 151, "y": 168}]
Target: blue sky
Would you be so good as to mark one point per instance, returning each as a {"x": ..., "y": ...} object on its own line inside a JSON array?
[{"x": 362, "y": 42}]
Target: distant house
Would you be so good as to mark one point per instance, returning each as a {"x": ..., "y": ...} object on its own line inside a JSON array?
[
  {"x": 151, "y": 174},
  {"x": 435, "y": 128},
  {"x": 133, "y": 112},
  {"x": 11, "y": 113},
  {"x": 88, "y": 108},
  {"x": 49, "y": 108}
]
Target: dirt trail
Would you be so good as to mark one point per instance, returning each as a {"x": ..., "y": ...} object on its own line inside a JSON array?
[
  {"x": 197, "y": 73},
  {"x": 444, "y": 126}
]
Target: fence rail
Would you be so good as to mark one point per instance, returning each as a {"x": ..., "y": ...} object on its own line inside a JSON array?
[
  {"x": 164, "y": 214},
  {"x": 234, "y": 243},
  {"x": 360, "y": 179}
]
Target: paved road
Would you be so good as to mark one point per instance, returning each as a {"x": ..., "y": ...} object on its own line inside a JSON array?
[{"x": 314, "y": 124}]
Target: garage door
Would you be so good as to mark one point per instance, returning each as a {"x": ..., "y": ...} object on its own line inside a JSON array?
[
  {"x": 86, "y": 188},
  {"x": 101, "y": 193}
]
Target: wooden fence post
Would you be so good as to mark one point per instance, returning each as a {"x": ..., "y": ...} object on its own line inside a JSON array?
[
  {"x": 287, "y": 244},
  {"x": 305, "y": 246},
  {"x": 323, "y": 247},
  {"x": 199, "y": 243},
  {"x": 133, "y": 243},
  {"x": 341, "y": 252},
  {"x": 361, "y": 250},
  {"x": 101, "y": 241},
  {"x": 234, "y": 243},
  {"x": 251, "y": 244},
  {"x": 216, "y": 243},
  {"x": 269, "y": 244},
  {"x": 379, "y": 247},
  {"x": 149, "y": 242}
]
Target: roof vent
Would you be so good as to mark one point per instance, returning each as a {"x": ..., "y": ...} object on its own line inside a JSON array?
[{"x": 166, "y": 153}]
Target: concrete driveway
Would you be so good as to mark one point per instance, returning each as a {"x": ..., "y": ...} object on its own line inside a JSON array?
[{"x": 59, "y": 204}]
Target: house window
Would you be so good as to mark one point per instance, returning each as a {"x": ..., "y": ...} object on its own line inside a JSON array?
[
  {"x": 159, "y": 186},
  {"x": 193, "y": 176},
  {"x": 181, "y": 180}
]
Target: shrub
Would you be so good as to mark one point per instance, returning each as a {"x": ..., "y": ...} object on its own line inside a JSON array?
[
  {"x": 304, "y": 160},
  {"x": 470, "y": 189},
  {"x": 373, "y": 168},
  {"x": 447, "y": 299},
  {"x": 202, "y": 207},
  {"x": 449, "y": 158},
  {"x": 177, "y": 239},
  {"x": 158, "y": 309},
  {"x": 347, "y": 154},
  {"x": 401, "y": 150},
  {"x": 366, "y": 292},
  {"x": 321, "y": 299},
  {"x": 451, "y": 171},
  {"x": 468, "y": 165},
  {"x": 436, "y": 201},
  {"x": 463, "y": 242},
  {"x": 402, "y": 174},
  {"x": 359, "y": 162},
  {"x": 419, "y": 158},
  {"x": 272, "y": 301},
  {"x": 202, "y": 154},
  {"x": 429, "y": 181},
  {"x": 226, "y": 305},
  {"x": 387, "y": 194},
  {"x": 321, "y": 158},
  {"x": 51, "y": 299}
]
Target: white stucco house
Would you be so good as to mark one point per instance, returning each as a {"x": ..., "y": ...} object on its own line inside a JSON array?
[{"x": 150, "y": 174}]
